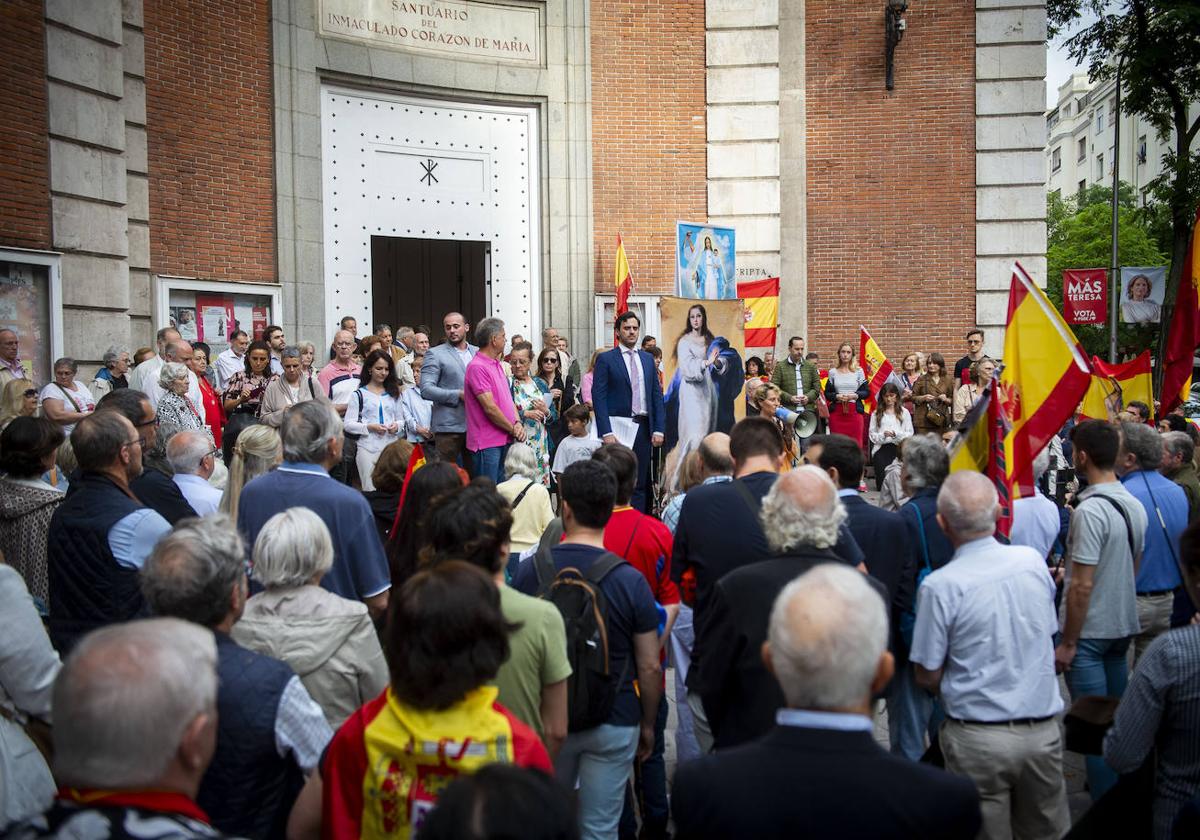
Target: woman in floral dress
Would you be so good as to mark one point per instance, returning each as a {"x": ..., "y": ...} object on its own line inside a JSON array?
[{"x": 535, "y": 407}]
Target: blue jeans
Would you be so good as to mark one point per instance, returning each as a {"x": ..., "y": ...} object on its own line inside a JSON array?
[
  {"x": 600, "y": 759},
  {"x": 909, "y": 710},
  {"x": 489, "y": 462},
  {"x": 1099, "y": 668}
]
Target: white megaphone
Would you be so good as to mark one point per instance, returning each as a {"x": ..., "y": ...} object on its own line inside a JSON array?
[{"x": 804, "y": 422}]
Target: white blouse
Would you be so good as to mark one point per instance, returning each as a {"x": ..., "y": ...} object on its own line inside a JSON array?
[
  {"x": 81, "y": 400},
  {"x": 888, "y": 422},
  {"x": 376, "y": 408}
]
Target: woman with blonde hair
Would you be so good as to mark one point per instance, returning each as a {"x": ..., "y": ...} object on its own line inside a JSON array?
[
  {"x": 967, "y": 395},
  {"x": 767, "y": 400},
  {"x": 19, "y": 399},
  {"x": 257, "y": 450},
  {"x": 845, "y": 389}
]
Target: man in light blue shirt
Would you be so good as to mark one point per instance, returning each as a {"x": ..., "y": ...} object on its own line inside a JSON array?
[
  {"x": 984, "y": 641},
  {"x": 1138, "y": 460},
  {"x": 193, "y": 458}
]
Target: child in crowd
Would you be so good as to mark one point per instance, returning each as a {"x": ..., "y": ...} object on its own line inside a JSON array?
[{"x": 577, "y": 446}]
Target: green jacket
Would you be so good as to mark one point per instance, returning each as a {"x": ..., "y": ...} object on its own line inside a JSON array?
[
  {"x": 1186, "y": 478},
  {"x": 784, "y": 378}
]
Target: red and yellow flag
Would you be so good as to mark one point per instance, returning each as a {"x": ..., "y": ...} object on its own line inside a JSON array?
[
  {"x": 1115, "y": 386},
  {"x": 1184, "y": 333},
  {"x": 875, "y": 365},
  {"x": 979, "y": 447},
  {"x": 1044, "y": 377},
  {"x": 624, "y": 280},
  {"x": 762, "y": 310},
  {"x": 415, "y": 461}
]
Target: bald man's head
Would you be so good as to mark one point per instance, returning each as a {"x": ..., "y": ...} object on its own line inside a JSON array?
[
  {"x": 968, "y": 507},
  {"x": 714, "y": 454},
  {"x": 827, "y": 640}
]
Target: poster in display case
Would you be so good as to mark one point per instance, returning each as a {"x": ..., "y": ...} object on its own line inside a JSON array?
[{"x": 211, "y": 312}]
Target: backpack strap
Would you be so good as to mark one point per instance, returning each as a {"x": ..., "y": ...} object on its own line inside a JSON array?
[
  {"x": 521, "y": 496},
  {"x": 543, "y": 560},
  {"x": 604, "y": 564},
  {"x": 1124, "y": 516},
  {"x": 754, "y": 503},
  {"x": 921, "y": 532}
]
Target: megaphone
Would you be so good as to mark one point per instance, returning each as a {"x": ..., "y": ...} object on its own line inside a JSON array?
[{"x": 804, "y": 423}]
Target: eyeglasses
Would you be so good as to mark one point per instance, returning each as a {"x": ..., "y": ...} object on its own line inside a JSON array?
[
  {"x": 140, "y": 441},
  {"x": 212, "y": 453},
  {"x": 550, "y": 361},
  {"x": 974, "y": 341},
  {"x": 32, "y": 392}
]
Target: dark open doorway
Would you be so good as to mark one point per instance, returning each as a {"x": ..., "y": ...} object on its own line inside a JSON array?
[{"x": 417, "y": 281}]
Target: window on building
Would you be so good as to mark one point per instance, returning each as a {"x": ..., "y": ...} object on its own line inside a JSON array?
[
  {"x": 1056, "y": 159},
  {"x": 1082, "y": 185},
  {"x": 1141, "y": 149},
  {"x": 31, "y": 306},
  {"x": 1056, "y": 193},
  {"x": 210, "y": 312},
  {"x": 1082, "y": 150},
  {"x": 1100, "y": 172}
]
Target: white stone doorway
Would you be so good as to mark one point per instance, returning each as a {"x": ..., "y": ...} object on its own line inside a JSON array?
[{"x": 404, "y": 167}]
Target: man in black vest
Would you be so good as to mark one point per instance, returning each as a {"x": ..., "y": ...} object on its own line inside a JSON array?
[
  {"x": 270, "y": 733},
  {"x": 101, "y": 535},
  {"x": 153, "y": 486}
]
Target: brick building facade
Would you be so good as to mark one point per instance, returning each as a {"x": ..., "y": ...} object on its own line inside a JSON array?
[{"x": 257, "y": 161}]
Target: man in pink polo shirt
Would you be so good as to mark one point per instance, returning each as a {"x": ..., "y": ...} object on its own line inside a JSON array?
[{"x": 492, "y": 421}]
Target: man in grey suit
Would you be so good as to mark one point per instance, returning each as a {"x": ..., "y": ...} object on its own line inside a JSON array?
[{"x": 442, "y": 384}]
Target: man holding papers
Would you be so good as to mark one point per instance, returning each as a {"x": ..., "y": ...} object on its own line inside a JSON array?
[{"x": 628, "y": 401}]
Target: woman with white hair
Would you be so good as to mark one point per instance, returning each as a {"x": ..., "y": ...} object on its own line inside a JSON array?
[
  {"x": 528, "y": 498},
  {"x": 329, "y": 641},
  {"x": 175, "y": 411},
  {"x": 112, "y": 375}
]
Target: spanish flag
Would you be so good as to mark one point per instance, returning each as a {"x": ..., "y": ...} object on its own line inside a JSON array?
[
  {"x": 415, "y": 461},
  {"x": 875, "y": 366},
  {"x": 979, "y": 447},
  {"x": 1115, "y": 386},
  {"x": 762, "y": 310},
  {"x": 624, "y": 280},
  {"x": 1044, "y": 377},
  {"x": 1184, "y": 334}
]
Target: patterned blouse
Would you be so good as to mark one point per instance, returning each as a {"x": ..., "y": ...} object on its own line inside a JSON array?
[
  {"x": 258, "y": 385},
  {"x": 176, "y": 413}
]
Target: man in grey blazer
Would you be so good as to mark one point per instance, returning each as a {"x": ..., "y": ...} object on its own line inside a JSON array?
[{"x": 442, "y": 384}]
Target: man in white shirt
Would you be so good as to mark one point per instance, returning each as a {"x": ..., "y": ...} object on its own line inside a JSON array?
[
  {"x": 1036, "y": 522},
  {"x": 232, "y": 359},
  {"x": 984, "y": 641},
  {"x": 177, "y": 351},
  {"x": 146, "y": 373},
  {"x": 192, "y": 457}
]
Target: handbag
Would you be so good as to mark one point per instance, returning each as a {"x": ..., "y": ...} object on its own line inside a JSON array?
[{"x": 935, "y": 415}]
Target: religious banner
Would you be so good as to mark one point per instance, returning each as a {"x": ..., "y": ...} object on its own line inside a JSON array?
[
  {"x": 1085, "y": 295},
  {"x": 705, "y": 262}
]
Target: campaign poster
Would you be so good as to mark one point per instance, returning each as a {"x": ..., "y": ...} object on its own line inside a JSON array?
[
  {"x": 258, "y": 322},
  {"x": 1142, "y": 289},
  {"x": 1085, "y": 295},
  {"x": 703, "y": 345},
  {"x": 705, "y": 262},
  {"x": 215, "y": 315}
]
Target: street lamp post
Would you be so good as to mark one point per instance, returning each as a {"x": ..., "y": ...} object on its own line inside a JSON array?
[{"x": 1114, "y": 303}]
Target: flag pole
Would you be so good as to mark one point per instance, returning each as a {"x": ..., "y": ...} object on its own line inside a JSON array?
[{"x": 1114, "y": 300}]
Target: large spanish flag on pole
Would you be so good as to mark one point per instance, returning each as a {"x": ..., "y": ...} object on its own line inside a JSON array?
[
  {"x": 623, "y": 281},
  {"x": 1044, "y": 377},
  {"x": 1184, "y": 333},
  {"x": 1115, "y": 386},
  {"x": 979, "y": 447},
  {"x": 762, "y": 310},
  {"x": 875, "y": 365}
]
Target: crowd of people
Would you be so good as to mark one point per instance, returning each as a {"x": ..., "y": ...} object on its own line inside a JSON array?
[{"x": 239, "y": 602}]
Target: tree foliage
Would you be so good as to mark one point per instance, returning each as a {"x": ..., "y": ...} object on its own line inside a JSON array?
[
  {"x": 1156, "y": 44},
  {"x": 1079, "y": 233}
]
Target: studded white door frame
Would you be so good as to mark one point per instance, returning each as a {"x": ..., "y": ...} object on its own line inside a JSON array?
[{"x": 398, "y": 165}]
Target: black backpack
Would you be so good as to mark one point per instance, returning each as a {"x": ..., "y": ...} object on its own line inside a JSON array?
[{"x": 592, "y": 687}]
